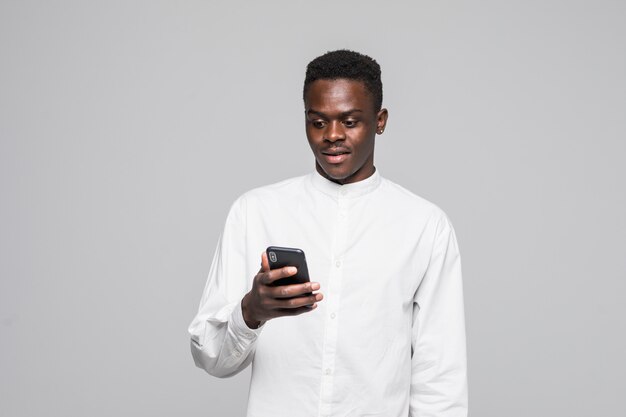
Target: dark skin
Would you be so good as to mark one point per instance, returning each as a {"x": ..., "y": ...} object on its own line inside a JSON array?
[
  {"x": 341, "y": 126},
  {"x": 341, "y": 117}
]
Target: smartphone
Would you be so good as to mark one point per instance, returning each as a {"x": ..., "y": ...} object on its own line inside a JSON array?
[{"x": 279, "y": 257}]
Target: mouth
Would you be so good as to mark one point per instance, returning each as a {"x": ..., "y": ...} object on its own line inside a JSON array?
[{"x": 335, "y": 156}]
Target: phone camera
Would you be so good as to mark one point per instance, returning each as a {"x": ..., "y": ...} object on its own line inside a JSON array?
[{"x": 273, "y": 257}]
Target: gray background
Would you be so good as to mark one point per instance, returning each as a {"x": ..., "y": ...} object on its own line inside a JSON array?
[{"x": 128, "y": 128}]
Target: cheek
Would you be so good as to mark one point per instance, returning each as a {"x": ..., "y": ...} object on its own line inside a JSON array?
[
  {"x": 312, "y": 144},
  {"x": 364, "y": 143},
  {"x": 313, "y": 136}
]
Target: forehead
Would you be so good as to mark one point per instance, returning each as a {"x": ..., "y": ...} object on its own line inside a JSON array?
[{"x": 338, "y": 95}]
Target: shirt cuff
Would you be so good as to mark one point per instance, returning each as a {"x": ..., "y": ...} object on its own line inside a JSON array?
[{"x": 239, "y": 326}]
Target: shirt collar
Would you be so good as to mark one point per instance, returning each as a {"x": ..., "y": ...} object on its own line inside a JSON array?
[{"x": 351, "y": 190}]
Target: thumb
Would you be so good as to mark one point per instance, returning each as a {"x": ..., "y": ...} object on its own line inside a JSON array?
[{"x": 265, "y": 265}]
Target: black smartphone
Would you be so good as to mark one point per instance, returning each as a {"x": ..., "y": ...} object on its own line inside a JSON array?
[{"x": 280, "y": 257}]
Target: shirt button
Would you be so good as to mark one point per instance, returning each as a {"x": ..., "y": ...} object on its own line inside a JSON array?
[
  {"x": 237, "y": 354},
  {"x": 333, "y": 315},
  {"x": 328, "y": 371},
  {"x": 338, "y": 264}
]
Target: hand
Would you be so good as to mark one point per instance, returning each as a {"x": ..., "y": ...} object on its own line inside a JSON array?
[{"x": 265, "y": 302}]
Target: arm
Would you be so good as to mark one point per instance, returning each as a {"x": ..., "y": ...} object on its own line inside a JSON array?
[
  {"x": 439, "y": 369},
  {"x": 234, "y": 308},
  {"x": 221, "y": 342}
]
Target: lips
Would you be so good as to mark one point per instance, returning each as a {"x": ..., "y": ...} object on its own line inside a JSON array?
[{"x": 335, "y": 156}]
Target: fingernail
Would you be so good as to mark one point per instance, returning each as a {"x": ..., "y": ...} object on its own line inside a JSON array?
[
  {"x": 292, "y": 270},
  {"x": 315, "y": 286}
]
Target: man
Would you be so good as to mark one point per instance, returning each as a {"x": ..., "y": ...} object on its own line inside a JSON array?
[{"x": 387, "y": 336}]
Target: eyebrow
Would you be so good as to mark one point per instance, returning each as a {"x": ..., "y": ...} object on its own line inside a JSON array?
[{"x": 341, "y": 115}]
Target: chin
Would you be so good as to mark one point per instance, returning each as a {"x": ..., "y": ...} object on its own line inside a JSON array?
[{"x": 337, "y": 173}]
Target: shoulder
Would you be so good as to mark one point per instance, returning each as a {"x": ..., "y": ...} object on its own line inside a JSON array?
[
  {"x": 409, "y": 201},
  {"x": 287, "y": 187},
  {"x": 265, "y": 194},
  {"x": 415, "y": 210}
]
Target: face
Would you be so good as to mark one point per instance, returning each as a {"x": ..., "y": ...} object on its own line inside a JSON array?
[{"x": 341, "y": 125}]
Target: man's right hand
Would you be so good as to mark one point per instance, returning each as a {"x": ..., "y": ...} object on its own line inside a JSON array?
[{"x": 265, "y": 302}]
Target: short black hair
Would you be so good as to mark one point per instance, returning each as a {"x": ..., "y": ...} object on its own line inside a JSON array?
[{"x": 347, "y": 64}]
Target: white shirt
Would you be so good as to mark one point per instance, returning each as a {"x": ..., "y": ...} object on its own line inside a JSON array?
[{"x": 389, "y": 337}]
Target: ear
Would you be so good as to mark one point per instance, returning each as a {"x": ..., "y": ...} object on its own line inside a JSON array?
[{"x": 381, "y": 121}]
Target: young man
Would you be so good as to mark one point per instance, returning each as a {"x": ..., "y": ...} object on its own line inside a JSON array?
[{"x": 387, "y": 336}]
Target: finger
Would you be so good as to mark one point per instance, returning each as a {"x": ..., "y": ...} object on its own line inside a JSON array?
[
  {"x": 294, "y": 290},
  {"x": 297, "y": 311},
  {"x": 298, "y": 302},
  {"x": 279, "y": 273}
]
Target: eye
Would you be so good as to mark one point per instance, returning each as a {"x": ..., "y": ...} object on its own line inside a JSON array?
[
  {"x": 318, "y": 124},
  {"x": 350, "y": 123}
]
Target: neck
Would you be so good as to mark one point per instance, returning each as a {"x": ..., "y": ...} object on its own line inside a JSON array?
[{"x": 363, "y": 173}]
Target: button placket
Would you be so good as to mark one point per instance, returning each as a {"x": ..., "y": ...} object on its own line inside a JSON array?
[{"x": 333, "y": 302}]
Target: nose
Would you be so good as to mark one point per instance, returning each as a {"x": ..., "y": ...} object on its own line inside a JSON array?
[{"x": 334, "y": 131}]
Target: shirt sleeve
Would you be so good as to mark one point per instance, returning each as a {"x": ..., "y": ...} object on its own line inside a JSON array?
[
  {"x": 221, "y": 342},
  {"x": 439, "y": 364}
]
